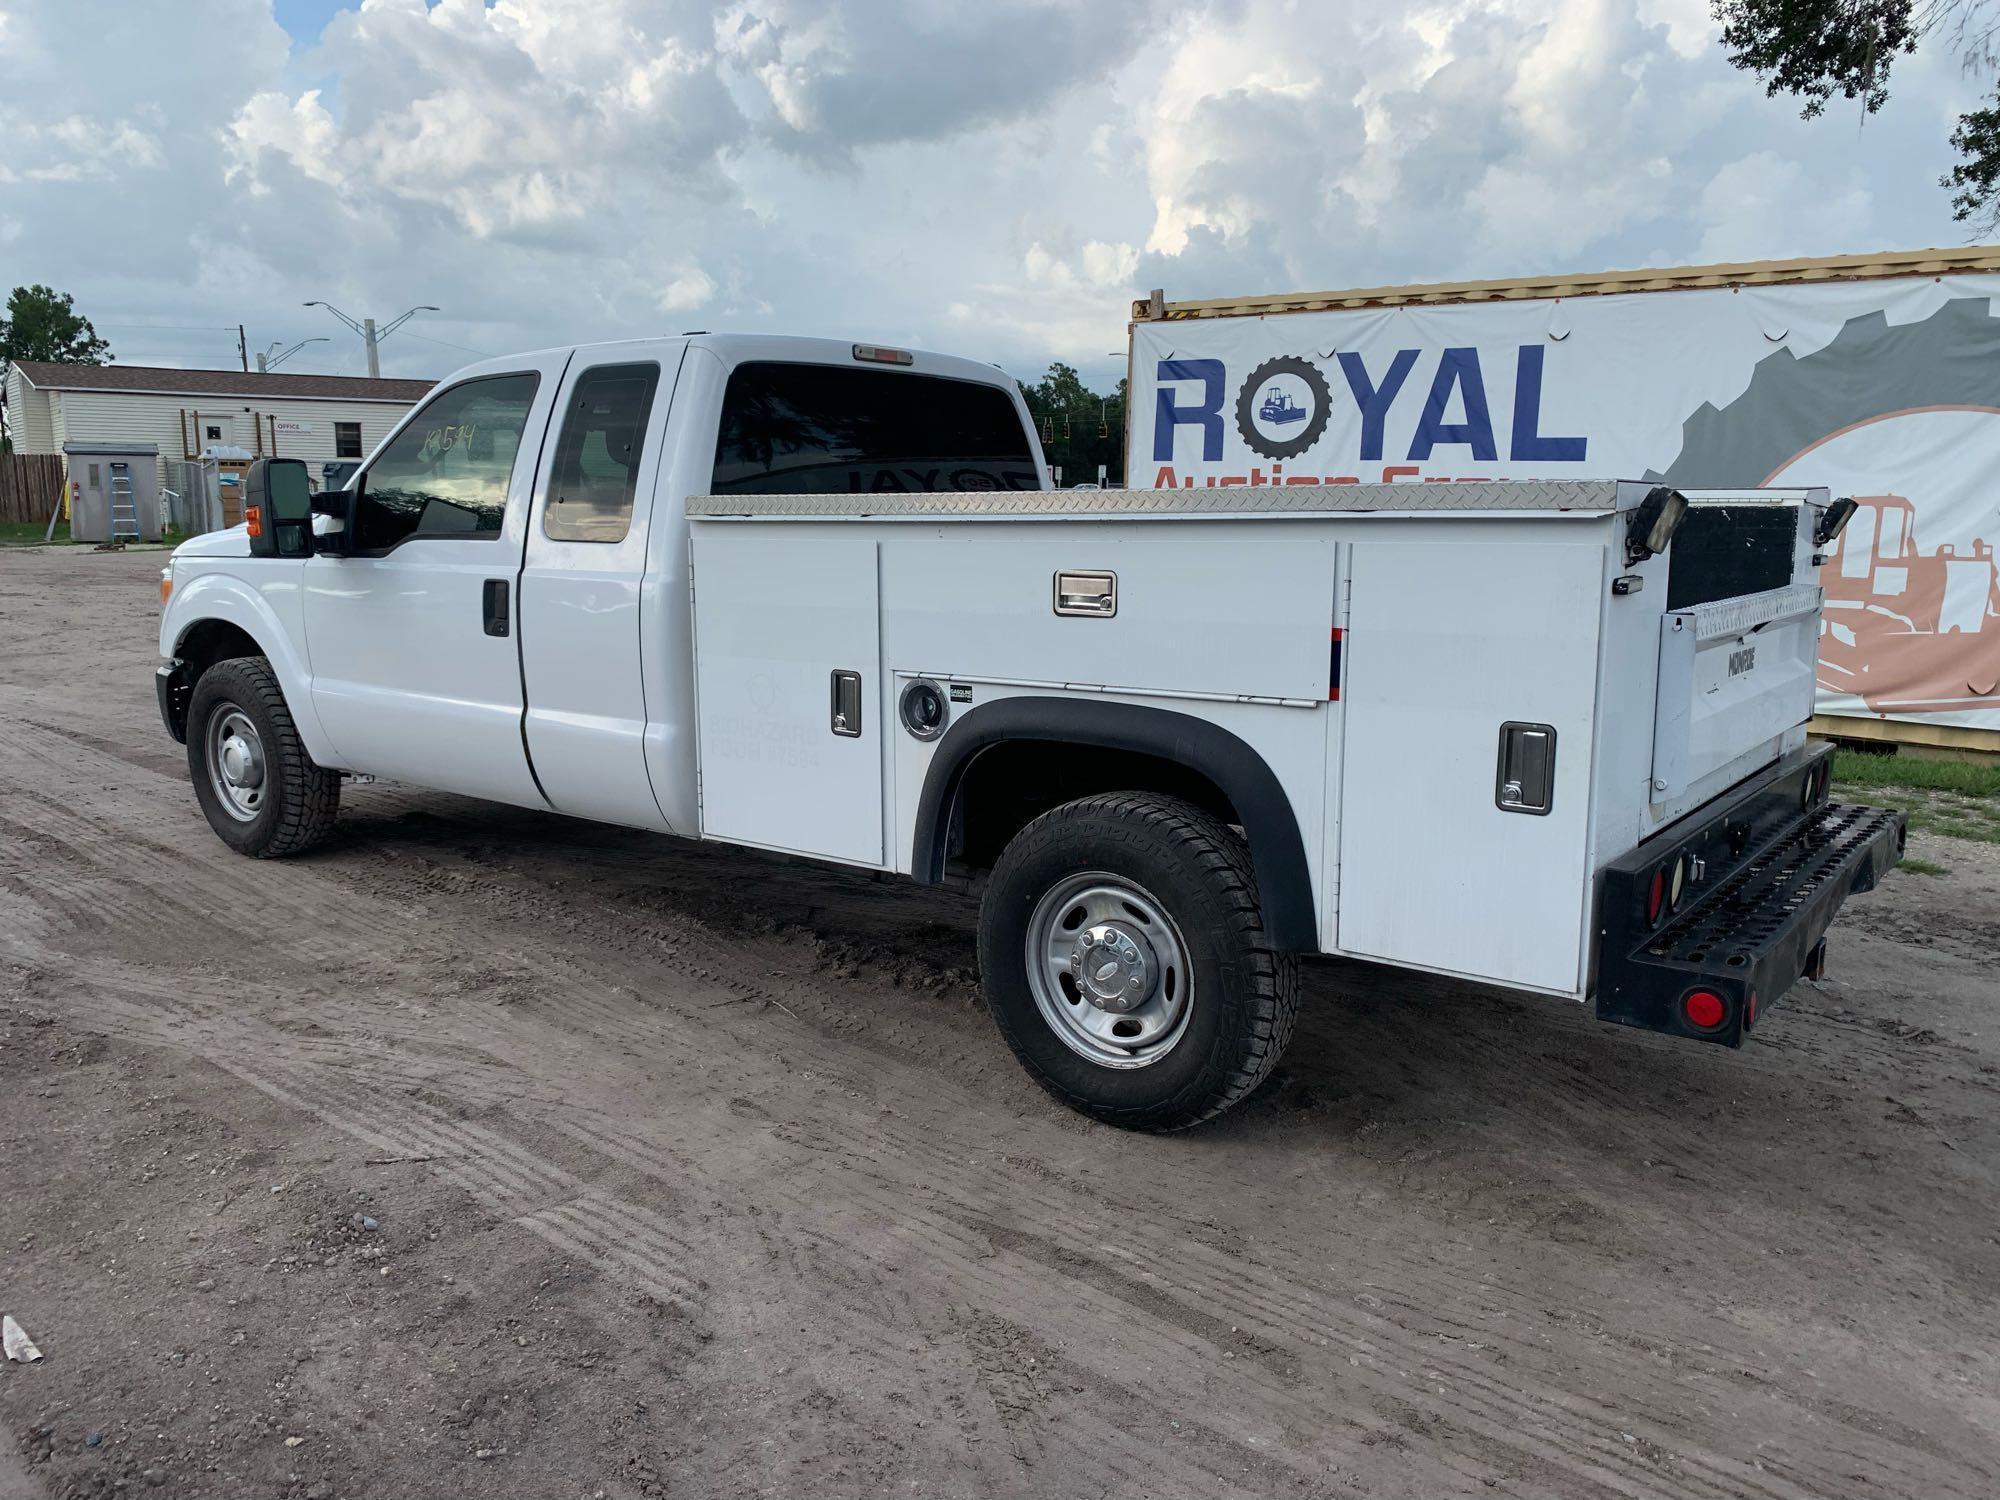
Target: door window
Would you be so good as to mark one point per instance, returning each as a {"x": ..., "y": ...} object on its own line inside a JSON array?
[
  {"x": 597, "y": 460},
  {"x": 446, "y": 473},
  {"x": 1890, "y": 543}
]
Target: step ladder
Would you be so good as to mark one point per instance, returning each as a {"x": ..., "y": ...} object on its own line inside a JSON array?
[{"x": 124, "y": 511}]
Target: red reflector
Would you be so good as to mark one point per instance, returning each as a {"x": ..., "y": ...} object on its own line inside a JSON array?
[
  {"x": 1656, "y": 896},
  {"x": 1750, "y": 1011},
  {"x": 1704, "y": 1009},
  {"x": 1333, "y": 668}
]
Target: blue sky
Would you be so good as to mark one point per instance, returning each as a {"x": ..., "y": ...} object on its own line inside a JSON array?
[{"x": 304, "y": 20}]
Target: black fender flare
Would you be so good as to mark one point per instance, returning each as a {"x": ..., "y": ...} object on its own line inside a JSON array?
[{"x": 1277, "y": 852}]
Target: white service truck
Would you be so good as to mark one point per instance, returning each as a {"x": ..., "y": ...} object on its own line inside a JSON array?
[{"x": 820, "y": 598}]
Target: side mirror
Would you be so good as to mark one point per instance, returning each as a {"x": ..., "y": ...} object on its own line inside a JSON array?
[
  {"x": 277, "y": 508},
  {"x": 337, "y": 507}
]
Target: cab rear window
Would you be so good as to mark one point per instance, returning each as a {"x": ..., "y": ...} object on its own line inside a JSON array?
[{"x": 822, "y": 429}]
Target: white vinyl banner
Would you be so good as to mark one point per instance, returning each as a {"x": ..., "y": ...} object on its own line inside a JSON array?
[{"x": 1885, "y": 390}]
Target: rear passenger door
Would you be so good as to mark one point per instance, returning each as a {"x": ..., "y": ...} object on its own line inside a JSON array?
[{"x": 582, "y": 582}]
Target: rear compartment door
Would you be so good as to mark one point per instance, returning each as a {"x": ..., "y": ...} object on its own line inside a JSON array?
[
  {"x": 789, "y": 693},
  {"x": 1735, "y": 674},
  {"x": 1447, "y": 643}
]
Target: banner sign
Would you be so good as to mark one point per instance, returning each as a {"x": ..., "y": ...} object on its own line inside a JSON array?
[{"x": 1887, "y": 390}]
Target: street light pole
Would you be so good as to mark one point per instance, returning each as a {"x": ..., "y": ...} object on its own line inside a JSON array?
[
  {"x": 267, "y": 361},
  {"x": 371, "y": 337}
]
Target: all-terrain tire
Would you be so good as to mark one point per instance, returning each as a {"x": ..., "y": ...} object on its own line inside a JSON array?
[
  {"x": 1244, "y": 994},
  {"x": 299, "y": 801}
]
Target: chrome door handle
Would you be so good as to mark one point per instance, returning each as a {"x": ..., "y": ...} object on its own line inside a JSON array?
[{"x": 1087, "y": 594}]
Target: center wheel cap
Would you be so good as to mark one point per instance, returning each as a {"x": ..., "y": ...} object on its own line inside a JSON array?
[{"x": 1112, "y": 967}]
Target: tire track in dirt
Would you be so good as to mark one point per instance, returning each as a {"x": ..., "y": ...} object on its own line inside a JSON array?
[{"x": 609, "y": 1247}]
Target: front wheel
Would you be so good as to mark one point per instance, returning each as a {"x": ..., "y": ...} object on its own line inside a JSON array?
[
  {"x": 1125, "y": 961},
  {"x": 262, "y": 794}
]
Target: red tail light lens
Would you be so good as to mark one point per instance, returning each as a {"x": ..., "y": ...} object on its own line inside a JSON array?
[{"x": 1704, "y": 1009}]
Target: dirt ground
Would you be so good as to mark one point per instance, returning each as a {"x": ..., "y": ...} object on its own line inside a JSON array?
[{"x": 491, "y": 1153}]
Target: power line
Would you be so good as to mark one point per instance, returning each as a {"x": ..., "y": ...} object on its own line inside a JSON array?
[{"x": 447, "y": 343}]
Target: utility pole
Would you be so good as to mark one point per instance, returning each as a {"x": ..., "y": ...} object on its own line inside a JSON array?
[
  {"x": 371, "y": 336},
  {"x": 242, "y": 349}
]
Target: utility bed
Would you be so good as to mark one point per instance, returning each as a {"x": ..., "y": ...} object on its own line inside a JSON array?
[{"x": 1486, "y": 706}]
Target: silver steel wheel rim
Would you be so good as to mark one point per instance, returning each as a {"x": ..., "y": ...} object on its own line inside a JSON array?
[
  {"x": 236, "y": 764},
  {"x": 1109, "y": 970}
]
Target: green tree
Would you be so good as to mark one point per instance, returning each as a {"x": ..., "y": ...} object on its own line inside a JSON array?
[
  {"x": 1079, "y": 428},
  {"x": 42, "y": 323},
  {"x": 1815, "y": 49}
]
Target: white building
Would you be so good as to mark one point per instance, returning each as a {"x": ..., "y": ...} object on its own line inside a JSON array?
[{"x": 319, "y": 418}]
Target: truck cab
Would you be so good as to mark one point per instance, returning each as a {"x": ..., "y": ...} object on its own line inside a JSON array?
[
  {"x": 524, "y": 525},
  {"x": 819, "y": 598}
]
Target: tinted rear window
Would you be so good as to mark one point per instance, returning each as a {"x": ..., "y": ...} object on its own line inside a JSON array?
[{"x": 821, "y": 429}]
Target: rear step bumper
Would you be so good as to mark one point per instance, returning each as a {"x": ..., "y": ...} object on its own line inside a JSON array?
[{"x": 1766, "y": 870}]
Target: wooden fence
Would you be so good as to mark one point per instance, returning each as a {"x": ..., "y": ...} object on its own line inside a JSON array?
[{"x": 30, "y": 485}]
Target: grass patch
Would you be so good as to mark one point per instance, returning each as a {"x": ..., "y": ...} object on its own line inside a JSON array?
[
  {"x": 29, "y": 533},
  {"x": 1921, "y": 866},
  {"x": 1969, "y": 778},
  {"x": 1955, "y": 799}
]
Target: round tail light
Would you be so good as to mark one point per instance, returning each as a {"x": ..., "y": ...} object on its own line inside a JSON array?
[{"x": 1704, "y": 1010}]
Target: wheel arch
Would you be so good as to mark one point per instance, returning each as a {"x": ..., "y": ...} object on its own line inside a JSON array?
[
  {"x": 1243, "y": 788},
  {"x": 211, "y": 617}
]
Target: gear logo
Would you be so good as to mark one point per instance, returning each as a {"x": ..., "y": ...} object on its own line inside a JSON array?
[{"x": 1283, "y": 407}]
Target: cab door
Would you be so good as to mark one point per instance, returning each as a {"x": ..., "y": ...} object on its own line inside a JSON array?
[
  {"x": 582, "y": 583},
  {"x": 412, "y": 636}
]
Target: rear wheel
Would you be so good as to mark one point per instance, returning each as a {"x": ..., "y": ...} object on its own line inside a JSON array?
[
  {"x": 1125, "y": 961},
  {"x": 260, "y": 791}
]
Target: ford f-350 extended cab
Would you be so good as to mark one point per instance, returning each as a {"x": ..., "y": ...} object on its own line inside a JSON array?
[{"x": 819, "y": 598}]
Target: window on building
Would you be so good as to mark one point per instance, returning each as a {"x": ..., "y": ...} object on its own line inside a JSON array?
[
  {"x": 446, "y": 474},
  {"x": 213, "y": 431},
  {"x": 597, "y": 462},
  {"x": 347, "y": 440},
  {"x": 823, "y": 429}
]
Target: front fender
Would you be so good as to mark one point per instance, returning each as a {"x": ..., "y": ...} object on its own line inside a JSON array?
[{"x": 272, "y": 613}]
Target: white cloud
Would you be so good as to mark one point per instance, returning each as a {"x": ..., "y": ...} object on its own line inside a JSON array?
[{"x": 998, "y": 179}]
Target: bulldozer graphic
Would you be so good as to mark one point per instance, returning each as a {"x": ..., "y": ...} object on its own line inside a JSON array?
[
  {"x": 1279, "y": 409},
  {"x": 1906, "y": 632}
]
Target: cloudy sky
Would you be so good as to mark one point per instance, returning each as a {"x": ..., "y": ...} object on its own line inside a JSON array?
[{"x": 996, "y": 178}]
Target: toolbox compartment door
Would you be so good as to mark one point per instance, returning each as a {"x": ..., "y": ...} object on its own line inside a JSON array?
[
  {"x": 780, "y": 622},
  {"x": 1448, "y": 647}
]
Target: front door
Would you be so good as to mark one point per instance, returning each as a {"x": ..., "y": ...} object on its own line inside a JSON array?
[
  {"x": 583, "y": 585},
  {"x": 416, "y": 672}
]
